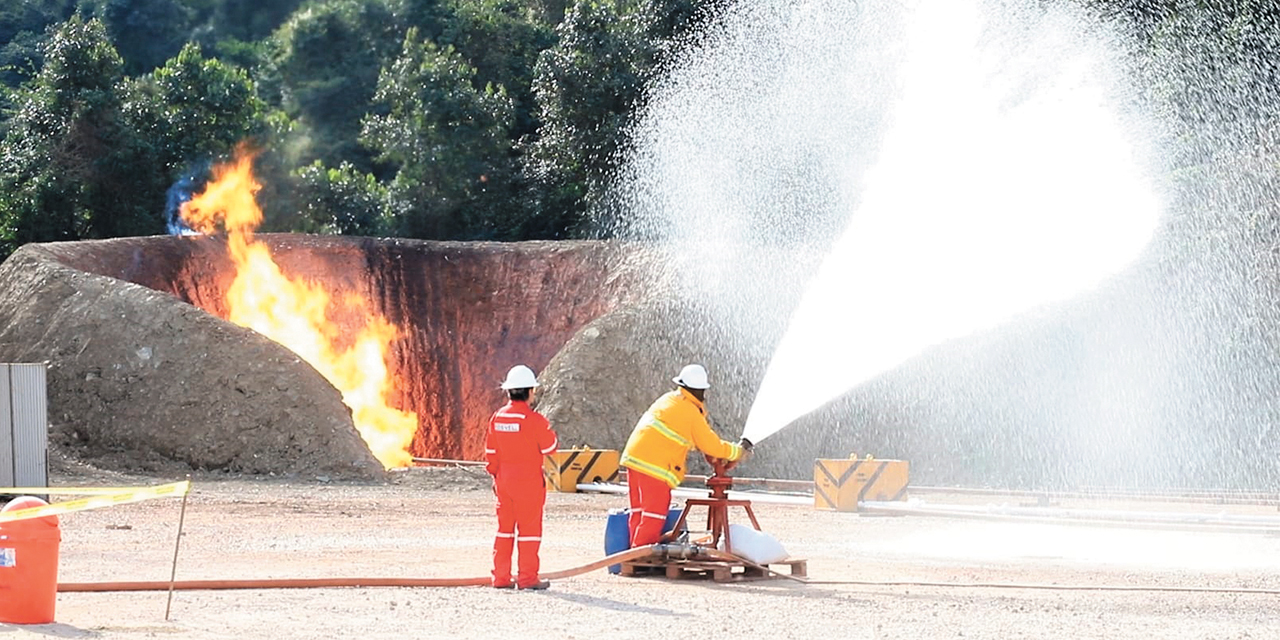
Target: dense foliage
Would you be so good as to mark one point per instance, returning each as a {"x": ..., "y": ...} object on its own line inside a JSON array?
[
  {"x": 459, "y": 119},
  {"x": 462, "y": 119}
]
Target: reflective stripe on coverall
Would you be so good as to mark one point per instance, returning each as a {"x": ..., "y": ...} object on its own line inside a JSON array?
[
  {"x": 650, "y": 501},
  {"x": 658, "y": 448},
  {"x": 515, "y": 444}
]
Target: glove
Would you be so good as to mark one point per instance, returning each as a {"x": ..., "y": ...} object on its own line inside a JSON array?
[{"x": 746, "y": 450}]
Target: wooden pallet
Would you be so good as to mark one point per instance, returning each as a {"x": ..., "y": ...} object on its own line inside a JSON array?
[{"x": 719, "y": 571}]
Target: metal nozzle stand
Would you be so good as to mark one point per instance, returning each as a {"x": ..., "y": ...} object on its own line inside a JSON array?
[
  {"x": 717, "y": 505},
  {"x": 678, "y": 560}
]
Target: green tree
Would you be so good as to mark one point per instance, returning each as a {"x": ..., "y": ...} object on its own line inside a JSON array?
[
  {"x": 670, "y": 26},
  {"x": 145, "y": 32},
  {"x": 446, "y": 139},
  {"x": 194, "y": 108},
  {"x": 60, "y": 176},
  {"x": 90, "y": 154},
  {"x": 325, "y": 69},
  {"x": 22, "y": 29},
  {"x": 248, "y": 20},
  {"x": 502, "y": 39},
  {"x": 587, "y": 87},
  {"x": 342, "y": 200},
  {"x": 551, "y": 12}
]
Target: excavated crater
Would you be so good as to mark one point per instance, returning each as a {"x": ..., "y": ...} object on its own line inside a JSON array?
[{"x": 144, "y": 371}]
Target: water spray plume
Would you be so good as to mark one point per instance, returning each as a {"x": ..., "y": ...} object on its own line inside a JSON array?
[
  {"x": 1005, "y": 182},
  {"x": 297, "y": 314}
]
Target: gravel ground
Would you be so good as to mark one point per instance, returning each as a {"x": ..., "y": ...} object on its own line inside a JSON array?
[{"x": 439, "y": 523}]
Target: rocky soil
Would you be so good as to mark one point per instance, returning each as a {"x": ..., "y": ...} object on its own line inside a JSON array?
[{"x": 141, "y": 381}]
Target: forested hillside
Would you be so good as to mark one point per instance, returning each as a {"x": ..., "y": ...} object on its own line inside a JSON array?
[
  {"x": 461, "y": 119},
  {"x": 448, "y": 119}
]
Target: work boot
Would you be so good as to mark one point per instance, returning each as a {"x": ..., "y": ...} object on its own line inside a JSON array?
[
  {"x": 509, "y": 585},
  {"x": 538, "y": 586}
]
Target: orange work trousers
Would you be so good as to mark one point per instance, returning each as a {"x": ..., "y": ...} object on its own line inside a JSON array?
[
  {"x": 521, "y": 496},
  {"x": 650, "y": 501}
]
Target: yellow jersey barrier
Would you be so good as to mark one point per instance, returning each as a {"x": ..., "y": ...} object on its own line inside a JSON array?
[
  {"x": 567, "y": 468},
  {"x": 841, "y": 484}
]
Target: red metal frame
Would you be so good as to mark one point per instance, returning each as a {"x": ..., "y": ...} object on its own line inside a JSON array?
[{"x": 717, "y": 504}]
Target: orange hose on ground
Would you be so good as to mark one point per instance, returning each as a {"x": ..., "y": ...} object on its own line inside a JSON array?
[
  {"x": 622, "y": 556},
  {"x": 319, "y": 583}
]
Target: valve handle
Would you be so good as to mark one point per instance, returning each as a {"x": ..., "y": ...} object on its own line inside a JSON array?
[{"x": 720, "y": 465}]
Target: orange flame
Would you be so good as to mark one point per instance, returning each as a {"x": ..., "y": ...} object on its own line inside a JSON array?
[{"x": 295, "y": 313}]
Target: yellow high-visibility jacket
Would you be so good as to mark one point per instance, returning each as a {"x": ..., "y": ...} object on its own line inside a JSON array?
[{"x": 660, "y": 443}]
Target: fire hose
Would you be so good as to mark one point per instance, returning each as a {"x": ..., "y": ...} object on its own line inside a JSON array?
[
  {"x": 320, "y": 583},
  {"x": 669, "y": 551}
]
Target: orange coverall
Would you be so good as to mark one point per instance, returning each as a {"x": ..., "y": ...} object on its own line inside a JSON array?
[
  {"x": 515, "y": 444},
  {"x": 655, "y": 458}
]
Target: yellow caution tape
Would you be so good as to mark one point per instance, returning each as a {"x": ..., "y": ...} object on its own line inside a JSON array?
[
  {"x": 63, "y": 491},
  {"x": 122, "y": 495}
]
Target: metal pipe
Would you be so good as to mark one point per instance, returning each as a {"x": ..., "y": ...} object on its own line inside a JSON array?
[
  {"x": 688, "y": 492},
  {"x": 1192, "y": 496},
  {"x": 1226, "y": 523},
  {"x": 1129, "y": 519},
  {"x": 794, "y": 485},
  {"x": 678, "y": 551},
  {"x": 731, "y": 557},
  {"x": 1206, "y": 496},
  {"x": 446, "y": 461}
]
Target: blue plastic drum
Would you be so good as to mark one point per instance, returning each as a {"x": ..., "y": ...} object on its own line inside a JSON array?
[{"x": 617, "y": 535}]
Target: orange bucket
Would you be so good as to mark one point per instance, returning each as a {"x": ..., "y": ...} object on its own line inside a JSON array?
[{"x": 28, "y": 565}]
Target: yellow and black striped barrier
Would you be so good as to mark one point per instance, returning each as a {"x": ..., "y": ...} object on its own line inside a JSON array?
[
  {"x": 566, "y": 468},
  {"x": 841, "y": 484},
  {"x": 99, "y": 497}
]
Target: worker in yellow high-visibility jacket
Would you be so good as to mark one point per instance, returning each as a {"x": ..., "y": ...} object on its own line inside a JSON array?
[{"x": 659, "y": 445}]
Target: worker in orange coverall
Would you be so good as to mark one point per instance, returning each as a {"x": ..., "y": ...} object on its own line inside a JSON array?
[
  {"x": 517, "y": 440},
  {"x": 656, "y": 451}
]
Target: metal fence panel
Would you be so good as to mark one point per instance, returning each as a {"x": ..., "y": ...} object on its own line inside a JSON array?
[
  {"x": 6, "y": 430},
  {"x": 29, "y": 425}
]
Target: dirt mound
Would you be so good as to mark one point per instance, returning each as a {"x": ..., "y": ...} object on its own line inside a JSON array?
[
  {"x": 139, "y": 380},
  {"x": 143, "y": 380},
  {"x": 608, "y": 374}
]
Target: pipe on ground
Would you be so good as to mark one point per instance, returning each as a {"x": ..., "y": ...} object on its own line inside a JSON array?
[
  {"x": 1266, "y": 525},
  {"x": 1226, "y": 523},
  {"x": 721, "y": 555}
]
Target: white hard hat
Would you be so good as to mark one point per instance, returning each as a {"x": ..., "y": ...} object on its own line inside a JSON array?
[
  {"x": 692, "y": 376},
  {"x": 520, "y": 377}
]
